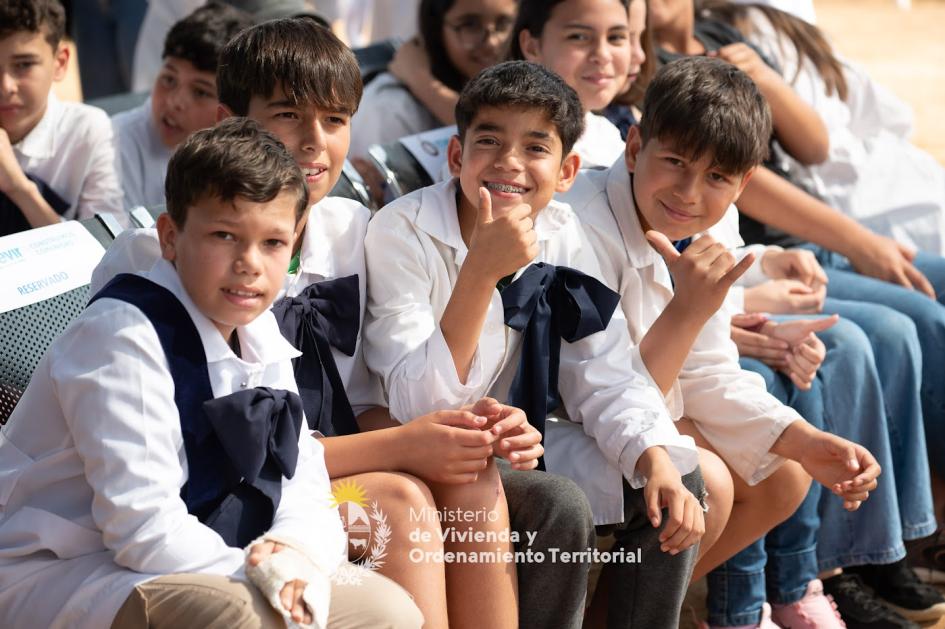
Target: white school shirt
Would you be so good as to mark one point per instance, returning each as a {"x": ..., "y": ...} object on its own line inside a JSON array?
[
  {"x": 600, "y": 144},
  {"x": 388, "y": 112},
  {"x": 873, "y": 173},
  {"x": 332, "y": 247},
  {"x": 729, "y": 405},
  {"x": 72, "y": 150},
  {"x": 92, "y": 462},
  {"x": 414, "y": 253},
  {"x": 141, "y": 157}
]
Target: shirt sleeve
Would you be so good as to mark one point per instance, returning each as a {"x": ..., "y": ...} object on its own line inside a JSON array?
[
  {"x": 117, "y": 396},
  {"x": 403, "y": 341},
  {"x": 101, "y": 191}
]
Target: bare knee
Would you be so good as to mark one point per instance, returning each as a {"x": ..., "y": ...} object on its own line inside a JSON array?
[
  {"x": 485, "y": 491},
  {"x": 719, "y": 487}
]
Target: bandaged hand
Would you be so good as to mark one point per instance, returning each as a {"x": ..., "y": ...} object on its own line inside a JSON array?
[{"x": 289, "y": 580}]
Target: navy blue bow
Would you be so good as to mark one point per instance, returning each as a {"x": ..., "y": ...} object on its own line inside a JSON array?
[
  {"x": 546, "y": 304},
  {"x": 12, "y": 219},
  {"x": 682, "y": 245},
  {"x": 324, "y": 315}
]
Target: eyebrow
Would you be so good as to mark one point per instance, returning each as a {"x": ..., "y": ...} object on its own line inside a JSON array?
[
  {"x": 25, "y": 56},
  {"x": 586, "y": 27},
  {"x": 491, "y": 127},
  {"x": 278, "y": 104}
]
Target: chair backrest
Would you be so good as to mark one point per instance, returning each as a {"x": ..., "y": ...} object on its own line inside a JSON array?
[
  {"x": 27, "y": 332},
  {"x": 374, "y": 59},
  {"x": 399, "y": 169},
  {"x": 352, "y": 186}
]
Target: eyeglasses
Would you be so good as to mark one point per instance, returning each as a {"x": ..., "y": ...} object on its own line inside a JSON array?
[{"x": 473, "y": 32}]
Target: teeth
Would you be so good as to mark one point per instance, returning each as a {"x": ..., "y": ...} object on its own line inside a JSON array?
[
  {"x": 311, "y": 172},
  {"x": 242, "y": 293},
  {"x": 502, "y": 187}
]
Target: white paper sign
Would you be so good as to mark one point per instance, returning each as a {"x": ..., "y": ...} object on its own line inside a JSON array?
[
  {"x": 44, "y": 262},
  {"x": 429, "y": 148}
]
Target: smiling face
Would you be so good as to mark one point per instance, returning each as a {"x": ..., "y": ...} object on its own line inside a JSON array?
[
  {"x": 586, "y": 42},
  {"x": 637, "y": 24},
  {"x": 231, "y": 257},
  {"x": 468, "y": 52},
  {"x": 184, "y": 100},
  {"x": 318, "y": 139},
  {"x": 516, "y": 155},
  {"x": 675, "y": 194},
  {"x": 28, "y": 67}
]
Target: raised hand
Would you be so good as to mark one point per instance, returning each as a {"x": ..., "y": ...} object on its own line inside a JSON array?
[
  {"x": 702, "y": 274},
  {"x": 501, "y": 245},
  {"x": 12, "y": 177}
]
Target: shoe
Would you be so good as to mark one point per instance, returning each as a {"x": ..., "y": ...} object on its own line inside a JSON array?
[
  {"x": 859, "y": 608},
  {"x": 814, "y": 611},
  {"x": 901, "y": 590},
  {"x": 927, "y": 557},
  {"x": 766, "y": 622}
]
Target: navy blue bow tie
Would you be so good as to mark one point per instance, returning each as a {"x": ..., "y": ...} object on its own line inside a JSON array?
[
  {"x": 682, "y": 245},
  {"x": 324, "y": 315},
  {"x": 546, "y": 304},
  {"x": 12, "y": 219}
]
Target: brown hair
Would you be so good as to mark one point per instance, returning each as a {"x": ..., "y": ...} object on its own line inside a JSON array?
[
  {"x": 33, "y": 16},
  {"x": 236, "y": 158},
  {"x": 199, "y": 37},
  {"x": 807, "y": 39},
  {"x": 703, "y": 105},
  {"x": 298, "y": 54}
]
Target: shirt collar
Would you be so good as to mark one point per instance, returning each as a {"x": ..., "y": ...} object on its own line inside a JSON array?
[
  {"x": 260, "y": 340},
  {"x": 40, "y": 142},
  {"x": 315, "y": 253},
  {"x": 621, "y": 201}
]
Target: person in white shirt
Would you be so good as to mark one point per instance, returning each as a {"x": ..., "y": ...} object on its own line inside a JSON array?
[
  {"x": 57, "y": 160},
  {"x": 435, "y": 329},
  {"x": 594, "y": 45},
  {"x": 677, "y": 322},
  {"x": 147, "y": 465},
  {"x": 183, "y": 100}
]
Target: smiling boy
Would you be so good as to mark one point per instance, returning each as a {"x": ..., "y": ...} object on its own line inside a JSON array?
[
  {"x": 436, "y": 329},
  {"x": 56, "y": 159}
]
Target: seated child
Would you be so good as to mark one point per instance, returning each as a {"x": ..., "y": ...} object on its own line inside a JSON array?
[
  {"x": 302, "y": 84},
  {"x": 436, "y": 331},
  {"x": 139, "y": 480},
  {"x": 183, "y": 100},
  {"x": 704, "y": 131},
  {"x": 57, "y": 159}
]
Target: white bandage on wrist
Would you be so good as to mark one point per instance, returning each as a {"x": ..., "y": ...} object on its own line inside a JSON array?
[{"x": 283, "y": 567}]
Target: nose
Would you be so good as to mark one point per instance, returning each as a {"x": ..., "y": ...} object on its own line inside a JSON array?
[
  {"x": 601, "y": 53},
  {"x": 248, "y": 261},
  {"x": 637, "y": 54},
  {"x": 509, "y": 159},
  {"x": 175, "y": 99},
  {"x": 7, "y": 84},
  {"x": 687, "y": 188},
  {"x": 314, "y": 137}
]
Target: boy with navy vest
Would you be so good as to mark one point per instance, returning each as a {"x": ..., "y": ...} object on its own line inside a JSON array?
[{"x": 158, "y": 454}]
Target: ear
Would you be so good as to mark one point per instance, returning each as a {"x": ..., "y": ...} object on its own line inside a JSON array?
[
  {"x": 634, "y": 145},
  {"x": 167, "y": 235},
  {"x": 570, "y": 166},
  {"x": 531, "y": 46},
  {"x": 223, "y": 112},
  {"x": 60, "y": 61},
  {"x": 744, "y": 183},
  {"x": 454, "y": 156}
]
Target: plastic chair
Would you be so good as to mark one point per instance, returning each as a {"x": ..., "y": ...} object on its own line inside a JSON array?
[{"x": 399, "y": 169}]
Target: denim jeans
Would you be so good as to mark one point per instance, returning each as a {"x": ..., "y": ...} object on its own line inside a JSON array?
[{"x": 847, "y": 399}]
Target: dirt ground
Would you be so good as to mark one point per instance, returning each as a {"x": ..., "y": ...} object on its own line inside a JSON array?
[{"x": 902, "y": 49}]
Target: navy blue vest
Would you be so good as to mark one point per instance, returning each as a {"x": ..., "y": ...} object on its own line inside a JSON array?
[{"x": 239, "y": 446}]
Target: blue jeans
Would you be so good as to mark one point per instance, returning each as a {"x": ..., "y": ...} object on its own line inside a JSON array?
[{"x": 846, "y": 399}]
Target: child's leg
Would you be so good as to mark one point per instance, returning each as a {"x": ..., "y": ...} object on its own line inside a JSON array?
[
  {"x": 736, "y": 589},
  {"x": 553, "y": 510},
  {"x": 478, "y": 594},
  {"x": 719, "y": 497},
  {"x": 399, "y": 496},
  {"x": 756, "y": 509},
  {"x": 375, "y": 603}
]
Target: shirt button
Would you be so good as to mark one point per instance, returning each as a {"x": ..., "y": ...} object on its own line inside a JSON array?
[{"x": 243, "y": 385}]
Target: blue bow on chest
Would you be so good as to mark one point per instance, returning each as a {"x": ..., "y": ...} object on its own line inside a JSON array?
[
  {"x": 546, "y": 304},
  {"x": 324, "y": 315}
]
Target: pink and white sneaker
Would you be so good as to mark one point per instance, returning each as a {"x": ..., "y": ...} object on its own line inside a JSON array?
[
  {"x": 766, "y": 622},
  {"x": 815, "y": 611}
]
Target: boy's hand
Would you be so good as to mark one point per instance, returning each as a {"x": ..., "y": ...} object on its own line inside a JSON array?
[
  {"x": 500, "y": 246},
  {"x": 12, "y": 178},
  {"x": 753, "y": 343},
  {"x": 448, "y": 446},
  {"x": 702, "y": 274},
  {"x": 518, "y": 441},
  {"x": 807, "y": 351},
  {"x": 794, "y": 264},
  {"x": 685, "y": 524},
  {"x": 886, "y": 259},
  {"x": 744, "y": 57},
  {"x": 785, "y": 296},
  {"x": 846, "y": 468},
  {"x": 411, "y": 64},
  {"x": 291, "y": 594}
]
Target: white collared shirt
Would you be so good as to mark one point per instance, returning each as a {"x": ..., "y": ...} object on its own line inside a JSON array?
[
  {"x": 72, "y": 150},
  {"x": 729, "y": 405},
  {"x": 414, "y": 253},
  {"x": 332, "y": 247},
  {"x": 388, "y": 112},
  {"x": 142, "y": 157},
  {"x": 600, "y": 144},
  {"x": 92, "y": 462}
]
